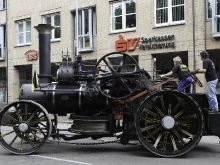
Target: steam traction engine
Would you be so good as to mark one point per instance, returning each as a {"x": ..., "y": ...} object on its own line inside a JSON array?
[{"x": 114, "y": 101}]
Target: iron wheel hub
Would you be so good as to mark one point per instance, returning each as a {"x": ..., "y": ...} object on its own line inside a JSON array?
[
  {"x": 23, "y": 127},
  {"x": 168, "y": 122}
]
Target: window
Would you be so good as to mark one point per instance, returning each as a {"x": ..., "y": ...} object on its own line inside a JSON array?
[
  {"x": 3, "y": 85},
  {"x": 23, "y": 32},
  {"x": 209, "y": 9},
  {"x": 169, "y": 12},
  {"x": 25, "y": 75},
  {"x": 2, "y": 4},
  {"x": 53, "y": 20},
  {"x": 123, "y": 15},
  {"x": 216, "y": 18},
  {"x": 86, "y": 28},
  {"x": 2, "y": 41}
]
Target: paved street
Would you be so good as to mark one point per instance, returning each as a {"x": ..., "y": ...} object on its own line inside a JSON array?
[{"x": 65, "y": 153}]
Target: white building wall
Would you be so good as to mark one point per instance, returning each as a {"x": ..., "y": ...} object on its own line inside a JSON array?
[{"x": 104, "y": 41}]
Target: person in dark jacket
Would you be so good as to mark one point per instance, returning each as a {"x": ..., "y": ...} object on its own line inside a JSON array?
[
  {"x": 211, "y": 79},
  {"x": 183, "y": 74}
]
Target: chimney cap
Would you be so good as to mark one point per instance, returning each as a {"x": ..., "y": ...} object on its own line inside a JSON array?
[{"x": 44, "y": 28}]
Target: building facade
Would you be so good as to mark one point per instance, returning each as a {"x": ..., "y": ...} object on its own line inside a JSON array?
[
  {"x": 152, "y": 31},
  {"x": 3, "y": 62}
]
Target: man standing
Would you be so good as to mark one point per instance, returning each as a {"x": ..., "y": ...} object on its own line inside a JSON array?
[
  {"x": 211, "y": 78},
  {"x": 183, "y": 74}
]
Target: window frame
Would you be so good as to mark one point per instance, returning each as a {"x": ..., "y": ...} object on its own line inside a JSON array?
[
  {"x": 91, "y": 28},
  {"x": 207, "y": 10},
  {"x": 2, "y": 4},
  {"x": 170, "y": 16},
  {"x": 52, "y": 23},
  {"x": 25, "y": 71},
  {"x": 23, "y": 32},
  {"x": 2, "y": 41},
  {"x": 123, "y": 15},
  {"x": 215, "y": 18}
]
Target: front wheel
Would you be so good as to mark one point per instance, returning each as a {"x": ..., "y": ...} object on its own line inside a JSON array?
[
  {"x": 25, "y": 127},
  {"x": 169, "y": 123}
]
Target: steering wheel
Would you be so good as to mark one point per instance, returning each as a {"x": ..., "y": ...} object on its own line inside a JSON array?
[
  {"x": 118, "y": 82},
  {"x": 196, "y": 79}
]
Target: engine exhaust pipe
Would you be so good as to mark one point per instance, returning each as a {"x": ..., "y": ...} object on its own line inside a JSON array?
[{"x": 44, "y": 33}]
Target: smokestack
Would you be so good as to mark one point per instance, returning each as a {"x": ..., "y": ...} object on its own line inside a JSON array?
[{"x": 44, "y": 32}]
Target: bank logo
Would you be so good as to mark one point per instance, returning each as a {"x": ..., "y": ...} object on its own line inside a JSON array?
[
  {"x": 155, "y": 42},
  {"x": 122, "y": 45}
]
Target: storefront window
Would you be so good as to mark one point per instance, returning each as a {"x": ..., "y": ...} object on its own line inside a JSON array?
[
  {"x": 164, "y": 62},
  {"x": 25, "y": 75},
  {"x": 3, "y": 85}
]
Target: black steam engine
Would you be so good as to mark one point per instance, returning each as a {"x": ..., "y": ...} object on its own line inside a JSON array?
[{"x": 111, "y": 100}]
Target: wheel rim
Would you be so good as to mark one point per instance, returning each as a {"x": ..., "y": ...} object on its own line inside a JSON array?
[
  {"x": 25, "y": 127},
  {"x": 117, "y": 77},
  {"x": 169, "y": 123}
]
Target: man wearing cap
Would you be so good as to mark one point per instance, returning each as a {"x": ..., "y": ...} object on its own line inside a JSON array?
[
  {"x": 211, "y": 79},
  {"x": 183, "y": 73}
]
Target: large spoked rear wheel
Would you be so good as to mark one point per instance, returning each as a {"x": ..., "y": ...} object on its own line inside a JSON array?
[
  {"x": 25, "y": 127},
  {"x": 169, "y": 123}
]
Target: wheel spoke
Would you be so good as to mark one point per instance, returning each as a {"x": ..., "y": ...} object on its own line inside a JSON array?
[
  {"x": 121, "y": 63},
  {"x": 148, "y": 128},
  {"x": 150, "y": 112},
  {"x": 179, "y": 113},
  {"x": 150, "y": 120},
  {"x": 162, "y": 102},
  {"x": 32, "y": 115},
  {"x": 18, "y": 114},
  {"x": 7, "y": 134},
  {"x": 10, "y": 117},
  {"x": 26, "y": 112},
  {"x": 165, "y": 141},
  {"x": 157, "y": 141},
  {"x": 109, "y": 66},
  {"x": 8, "y": 125},
  {"x": 187, "y": 133},
  {"x": 125, "y": 85},
  {"x": 154, "y": 132},
  {"x": 38, "y": 121},
  {"x": 13, "y": 140},
  {"x": 179, "y": 137},
  {"x": 112, "y": 87},
  {"x": 170, "y": 106},
  {"x": 37, "y": 137},
  {"x": 174, "y": 143},
  {"x": 30, "y": 141},
  {"x": 177, "y": 105},
  {"x": 21, "y": 143},
  {"x": 158, "y": 109}
]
